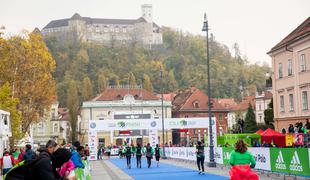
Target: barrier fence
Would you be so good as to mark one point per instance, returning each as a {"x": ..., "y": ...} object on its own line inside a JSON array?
[{"x": 295, "y": 161}]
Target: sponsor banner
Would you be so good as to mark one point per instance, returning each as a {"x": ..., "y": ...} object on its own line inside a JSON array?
[
  {"x": 226, "y": 154},
  {"x": 219, "y": 155},
  {"x": 299, "y": 139},
  {"x": 93, "y": 144},
  {"x": 262, "y": 158},
  {"x": 289, "y": 139},
  {"x": 290, "y": 160},
  {"x": 114, "y": 151},
  {"x": 132, "y": 124},
  {"x": 153, "y": 137}
]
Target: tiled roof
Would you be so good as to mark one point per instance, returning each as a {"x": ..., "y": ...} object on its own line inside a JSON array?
[
  {"x": 185, "y": 100},
  {"x": 88, "y": 20},
  {"x": 111, "y": 94},
  {"x": 300, "y": 32},
  {"x": 167, "y": 97},
  {"x": 228, "y": 103},
  {"x": 244, "y": 104}
]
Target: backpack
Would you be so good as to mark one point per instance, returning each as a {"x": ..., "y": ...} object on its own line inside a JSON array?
[{"x": 21, "y": 169}]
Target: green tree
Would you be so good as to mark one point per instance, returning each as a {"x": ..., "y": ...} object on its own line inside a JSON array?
[
  {"x": 87, "y": 89},
  {"x": 250, "y": 125},
  {"x": 147, "y": 84},
  {"x": 7, "y": 103},
  {"x": 172, "y": 84},
  {"x": 268, "y": 113},
  {"x": 73, "y": 107}
]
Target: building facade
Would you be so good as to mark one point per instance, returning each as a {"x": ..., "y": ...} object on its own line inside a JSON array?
[
  {"x": 124, "y": 103},
  {"x": 192, "y": 102},
  {"x": 291, "y": 77},
  {"x": 261, "y": 104},
  {"x": 5, "y": 130},
  {"x": 54, "y": 125},
  {"x": 107, "y": 31}
]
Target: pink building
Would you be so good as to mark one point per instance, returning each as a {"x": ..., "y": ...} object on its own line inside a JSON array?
[{"x": 291, "y": 77}]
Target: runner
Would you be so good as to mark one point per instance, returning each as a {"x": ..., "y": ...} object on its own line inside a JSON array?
[
  {"x": 158, "y": 152},
  {"x": 108, "y": 150},
  {"x": 6, "y": 162},
  {"x": 138, "y": 152},
  {"x": 133, "y": 149},
  {"x": 128, "y": 151},
  {"x": 242, "y": 161},
  {"x": 200, "y": 152},
  {"x": 149, "y": 152}
]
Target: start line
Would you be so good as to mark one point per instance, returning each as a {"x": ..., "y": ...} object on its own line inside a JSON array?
[{"x": 165, "y": 171}]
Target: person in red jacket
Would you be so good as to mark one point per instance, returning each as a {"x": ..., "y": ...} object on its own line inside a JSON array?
[{"x": 6, "y": 162}]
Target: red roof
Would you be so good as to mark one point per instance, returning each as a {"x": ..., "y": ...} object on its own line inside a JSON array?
[
  {"x": 186, "y": 99},
  {"x": 111, "y": 94},
  {"x": 228, "y": 103},
  {"x": 300, "y": 32},
  {"x": 167, "y": 97},
  {"x": 244, "y": 104},
  {"x": 259, "y": 131}
]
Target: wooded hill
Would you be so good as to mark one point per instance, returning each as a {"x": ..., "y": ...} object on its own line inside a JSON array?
[{"x": 92, "y": 67}]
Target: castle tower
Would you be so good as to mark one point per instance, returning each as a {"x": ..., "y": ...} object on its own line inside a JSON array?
[{"x": 147, "y": 12}]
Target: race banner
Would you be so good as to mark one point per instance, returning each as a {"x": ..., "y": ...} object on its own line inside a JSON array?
[
  {"x": 290, "y": 160},
  {"x": 299, "y": 139},
  {"x": 289, "y": 139},
  {"x": 153, "y": 137},
  {"x": 226, "y": 154},
  {"x": 93, "y": 144},
  {"x": 262, "y": 158},
  {"x": 219, "y": 155}
]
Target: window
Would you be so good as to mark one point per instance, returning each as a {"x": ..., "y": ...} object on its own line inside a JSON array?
[
  {"x": 280, "y": 71},
  {"x": 260, "y": 107},
  {"x": 303, "y": 63},
  {"x": 106, "y": 29},
  {"x": 220, "y": 117},
  {"x": 281, "y": 103},
  {"x": 124, "y": 29},
  {"x": 304, "y": 100},
  {"x": 186, "y": 116},
  {"x": 97, "y": 29},
  {"x": 55, "y": 127},
  {"x": 116, "y": 29},
  {"x": 290, "y": 68},
  {"x": 196, "y": 104},
  {"x": 291, "y": 99},
  {"x": 260, "y": 118}
]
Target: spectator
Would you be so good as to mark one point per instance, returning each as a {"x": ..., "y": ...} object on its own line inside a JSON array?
[
  {"x": 283, "y": 131},
  {"x": 307, "y": 124},
  {"x": 29, "y": 154},
  {"x": 76, "y": 157},
  {"x": 291, "y": 129},
  {"x": 6, "y": 162}
]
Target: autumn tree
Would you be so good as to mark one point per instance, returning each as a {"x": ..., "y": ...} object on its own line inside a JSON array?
[
  {"x": 147, "y": 84},
  {"x": 102, "y": 82},
  {"x": 27, "y": 65},
  {"x": 87, "y": 89},
  {"x": 7, "y": 103},
  {"x": 172, "y": 84},
  {"x": 132, "y": 79},
  {"x": 73, "y": 107}
]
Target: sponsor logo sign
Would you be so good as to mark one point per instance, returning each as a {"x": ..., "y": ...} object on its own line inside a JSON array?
[
  {"x": 262, "y": 158},
  {"x": 295, "y": 163}
]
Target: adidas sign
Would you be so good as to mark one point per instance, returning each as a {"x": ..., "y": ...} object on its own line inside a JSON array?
[
  {"x": 280, "y": 164},
  {"x": 295, "y": 163}
]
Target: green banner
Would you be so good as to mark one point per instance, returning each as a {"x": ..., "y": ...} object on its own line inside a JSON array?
[
  {"x": 226, "y": 154},
  {"x": 290, "y": 160},
  {"x": 83, "y": 174}
]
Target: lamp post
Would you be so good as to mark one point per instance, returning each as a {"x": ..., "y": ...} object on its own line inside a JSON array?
[
  {"x": 162, "y": 112},
  {"x": 206, "y": 29}
]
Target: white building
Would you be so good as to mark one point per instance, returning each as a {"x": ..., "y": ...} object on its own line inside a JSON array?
[
  {"x": 5, "y": 130},
  {"x": 261, "y": 104},
  {"x": 123, "y": 103},
  {"x": 54, "y": 125}
]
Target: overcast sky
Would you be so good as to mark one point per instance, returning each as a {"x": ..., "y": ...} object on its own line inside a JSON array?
[{"x": 256, "y": 25}]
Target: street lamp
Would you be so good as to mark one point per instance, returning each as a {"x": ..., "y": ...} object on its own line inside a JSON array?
[
  {"x": 162, "y": 112},
  {"x": 206, "y": 28}
]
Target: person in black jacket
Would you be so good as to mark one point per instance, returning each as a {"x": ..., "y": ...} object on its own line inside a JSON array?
[
  {"x": 138, "y": 155},
  {"x": 44, "y": 168},
  {"x": 29, "y": 154}
]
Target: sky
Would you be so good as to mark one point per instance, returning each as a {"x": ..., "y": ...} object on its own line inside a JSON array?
[{"x": 256, "y": 25}]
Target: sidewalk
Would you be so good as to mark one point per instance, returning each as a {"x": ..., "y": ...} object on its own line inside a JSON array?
[
  {"x": 224, "y": 171},
  {"x": 104, "y": 169}
]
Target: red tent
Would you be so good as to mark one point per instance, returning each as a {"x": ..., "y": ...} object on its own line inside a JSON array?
[
  {"x": 270, "y": 135},
  {"x": 259, "y": 131}
]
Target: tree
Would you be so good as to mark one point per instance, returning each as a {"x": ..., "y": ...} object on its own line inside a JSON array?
[
  {"x": 268, "y": 113},
  {"x": 7, "y": 103},
  {"x": 250, "y": 125},
  {"x": 27, "y": 65},
  {"x": 87, "y": 92},
  {"x": 147, "y": 84},
  {"x": 132, "y": 79},
  {"x": 102, "y": 82},
  {"x": 172, "y": 84},
  {"x": 73, "y": 107}
]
